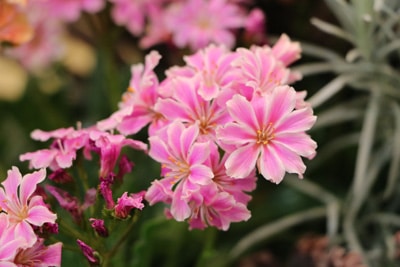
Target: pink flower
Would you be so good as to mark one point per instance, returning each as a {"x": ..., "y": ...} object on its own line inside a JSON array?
[
  {"x": 137, "y": 106},
  {"x": 156, "y": 31},
  {"x": 62, "y": 151},
  {"x": 268, "y": 132},
  {"x": 197, "y": 23},
  {"x": 255, "y": 30},
  {"x": 131, "y": 14},
  {"x": 128, "y": 202},
  {"x": 238, "y": 188},
  {"x": 71, "y": 10},
  {"x": 183, "y": 163},
  {"x": 109, "y": 148},
  {"x": 46, "y": 45},
  {"x": 23, "y": 208},
  {"x": 9, "y": 243},
  {"x": 259, "y": 70},
  {"x": 213, "y": 66},
  {"x": 188, "y": 107},
  {"x": 39, "y": 255},
  {"x": 215, "y": 208},
  {"x": 288, "y": 52}
]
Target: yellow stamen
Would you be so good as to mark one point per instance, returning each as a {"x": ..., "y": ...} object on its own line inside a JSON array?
[{"x": 265, "y": 135}]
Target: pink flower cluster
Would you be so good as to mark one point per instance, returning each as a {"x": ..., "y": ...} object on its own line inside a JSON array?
[
  {"x": 213, "y": 123},
  {"x": 64, "y": 150},
  {"x": 22, "y": 215},
  {"x": 70, "y": 145},
  {"x": 189, "y": 23}
]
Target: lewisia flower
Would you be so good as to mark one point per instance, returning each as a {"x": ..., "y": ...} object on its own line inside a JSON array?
[
  {"x": 183, "y": 164},
  {"x": 216, "y": 208},
  {"x": 198, "y": 23},
  {"x": 187, "y": 106},
  {"x": 62, "y": 151},
  {"x": 287, "y": 52},
  {"x": 238, "y": 188},
  {"x": 237, "y": 103},
  {"x": 109, "y": 146},
  {"x": 259, "y": 70},
  {"x": 39, "y": 255},
  {"x": 268, "y": 132},
  {"x": 9, "y": 244},
  {"x": 212, "y": 66},
  {"x": 137, "y": 105},
  {"x": 188, "y": 23},
  {"x": 23, "y": 208}
]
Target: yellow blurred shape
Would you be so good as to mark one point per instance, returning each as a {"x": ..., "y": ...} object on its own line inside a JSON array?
[
  {"x": 19, "y": 2},
  {"x": 79, "y": 57},
  {"x": 13, "y": 79}
]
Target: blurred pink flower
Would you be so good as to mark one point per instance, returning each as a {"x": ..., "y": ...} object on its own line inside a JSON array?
[
  {"x": 197, "y": 23},
  {"x": 255, "y": 27},
  {"x": 268, "y": 132},
  {"x": 131, "y": 14},
  {"x": 23, "y": 208},
  {"x": 70, "y": 10},
  {"x": 46, "y": 45},
  {"x": 157, "y": 30}
]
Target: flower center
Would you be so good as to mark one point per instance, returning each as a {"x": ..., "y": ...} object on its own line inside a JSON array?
[
  {"x": 178, "y": 169},
  {"x": 265, "y": 135}
]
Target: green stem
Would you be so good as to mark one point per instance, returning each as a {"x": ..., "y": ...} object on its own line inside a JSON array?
[
  {"x": 70, "y": 231},
  {"x": 208, "y": 247},
  {"x": 108, "y": 256}
]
